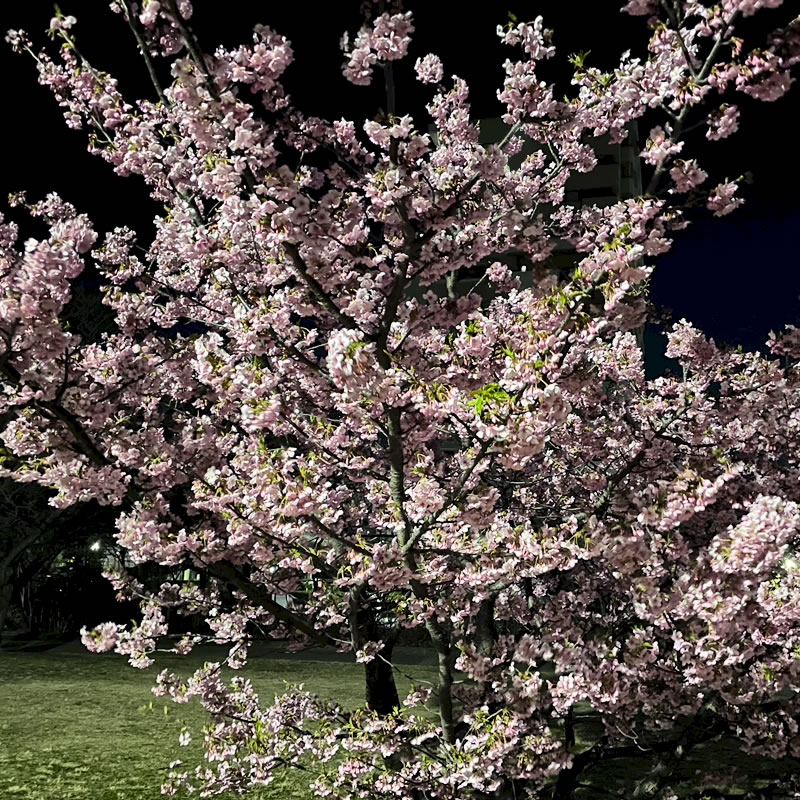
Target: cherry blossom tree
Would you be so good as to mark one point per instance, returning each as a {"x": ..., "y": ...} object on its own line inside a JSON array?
[{"x": 298, "y": 398}]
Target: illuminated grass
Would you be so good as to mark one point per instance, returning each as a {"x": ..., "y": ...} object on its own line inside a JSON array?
[
  {"x": 76, "y": 726},
  {"x": 80, "y": 727}
]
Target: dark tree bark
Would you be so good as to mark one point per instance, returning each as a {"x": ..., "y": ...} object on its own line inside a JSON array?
[
  {"x": 381, "y": 690},
  {"x": 6, "y": 596}
]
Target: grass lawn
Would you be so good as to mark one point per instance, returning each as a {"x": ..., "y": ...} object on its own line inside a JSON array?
[
  {"x": 79, "y": 727},
  {"x": 87, "y": 727}
]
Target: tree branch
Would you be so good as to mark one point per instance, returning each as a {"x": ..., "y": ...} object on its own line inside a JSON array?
[
  {"x": 148, "y": 61},
  {"x": 260, "y": 596},
  {"x": 315, "y": 287}
]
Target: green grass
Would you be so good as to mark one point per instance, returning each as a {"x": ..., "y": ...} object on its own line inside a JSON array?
[
  {"x": 87, "y": 727},
  {"x": 80, "y": 727}
]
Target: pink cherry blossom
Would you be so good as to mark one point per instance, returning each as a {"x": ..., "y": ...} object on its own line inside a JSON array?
[
  {"x": 723, "y": 123},
  {"x": 429, "y": 69},
  {"x": 687, "y": 175},
  {"x": 722, "y": 201}
]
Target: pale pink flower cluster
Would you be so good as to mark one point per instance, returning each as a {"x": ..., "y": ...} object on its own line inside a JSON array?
[
  {"x": 568, "y": 690},
  {"x": 102, "y": 638},
  {"x": 429, "y": 69},
  {"x": 62, "y": 23},
  {"x": 228, "y": 627},
  {"x": 502, "y": 277},
  {"x": 18, "y": 40},
  {"x": 687, "y": 175},
  {"x": 621, "y": 359},
  {"x": 787, "y": 343},
  {"x": 640, "y": 8},
  {"x": 368, "y": 651},
  {"x": 386, "y": 40},
  {"x": 760, "y": 539},
  {"x": 157, "y": 20},
  {"x": 687, "y": 343},
  {"x": 351, "y": 361},
  {"x": 723, "y": 122},
  {"x": 533, "y": 37},
  {"x": 139, "y": 641},
  {"x": 722, "y": 200},
  {"x": 764, "y": 77},
  {"x": 425, "y": 498},
  {"x": 524, "y": 94},
  {"x": 660, "y": 146},
  {"x": 749, "y": 7}
]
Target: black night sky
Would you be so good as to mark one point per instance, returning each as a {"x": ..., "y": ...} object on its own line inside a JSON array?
[{"x": 737, "y": 277}]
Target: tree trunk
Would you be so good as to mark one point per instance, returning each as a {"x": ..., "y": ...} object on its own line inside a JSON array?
[
  {"x": 6, "y": 595},
  {"x": 381, "y": 690},
  {"x": 568, "y": 779},
  {"x": 13, "y": 575},
  {"x": 23, "y": 587}
]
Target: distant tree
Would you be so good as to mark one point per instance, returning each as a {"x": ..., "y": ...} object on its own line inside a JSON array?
[
  {"x": 25, "y": 539},
  {"x": 46, "y": 552}
]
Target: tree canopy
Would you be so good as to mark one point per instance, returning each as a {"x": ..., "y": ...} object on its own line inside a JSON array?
[{"x": 308, "y": 391}]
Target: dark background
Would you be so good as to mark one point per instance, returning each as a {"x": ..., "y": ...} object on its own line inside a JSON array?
[{"x": 737, "y": 277}]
